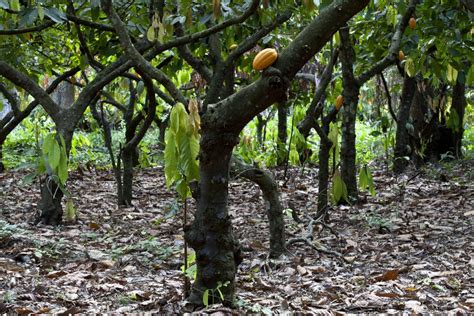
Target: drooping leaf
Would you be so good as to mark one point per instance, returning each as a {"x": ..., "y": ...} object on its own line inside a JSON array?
[
  {"x": 40, "y": 12},
  {"x": 150, "y": 34},
  {"x": 410, "y": 67},
  {"x": 339, "y": 188},
  {"x": 205, "y": 297},
  {"x": 171, "y": 159},
  {"x": 63, "y": 169},
  {"x": 195, "y": 119},
  {"x": 54, "y": 155},
  {"x": 55, "y": 15},
  {"x": 451, "y": 74}
]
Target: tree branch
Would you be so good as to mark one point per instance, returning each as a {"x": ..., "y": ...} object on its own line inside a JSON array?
[
  {"x": 11, "y": 99},
  {"x": 137, "y": 59},
  {"x": 28, "y": 29},
  {"x": 23, "y": 81},
  {"x": 316, "y": 107},
  {"x": 392, "y": 54},
  {"x": 242, "y": 106},
  {"x": 389, "y": 98},
  {"x": 4, "y": 131}
]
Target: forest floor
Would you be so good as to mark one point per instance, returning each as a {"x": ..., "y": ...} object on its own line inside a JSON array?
[{"x": 410, "y": 248}]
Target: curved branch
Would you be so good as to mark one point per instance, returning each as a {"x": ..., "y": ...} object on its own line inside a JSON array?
[
  {"x": 23, "y": 81},
  {"x": 192, "y": 60},
  {"x": 316, "y": 107},
  {"x": 17, "y": 119},
  {"x": 150, "y": 114}
]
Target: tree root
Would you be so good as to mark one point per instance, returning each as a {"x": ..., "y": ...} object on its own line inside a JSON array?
[{"x": 307, "y": 239}]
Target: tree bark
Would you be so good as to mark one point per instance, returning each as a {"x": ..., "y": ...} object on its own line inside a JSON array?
[
  {"x": 459, "y": 105},
  {"x": 402, "y": 141},
  {"x": 349, "y": 110},
  {"x": 217, "y": 251},
  {"x": 323, "y": 175},
  {"x": 127, "y": 177}
]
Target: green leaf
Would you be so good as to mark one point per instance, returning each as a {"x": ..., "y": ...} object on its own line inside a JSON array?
[
  {"x": 62, "y": 169},
  {"x": 15, "y": 5},
  {"x": 410, "y": 67},
  {"x": 451, "y": 74},
  {"x": 55, "y": 15},
  {"x": 171, "y": 159},
  {"x": 54, "y": 155},
  {"x": 183, "y": 189},
  {"x": 150, "y": 34},
  {"x": 40, "y": 11},
  {"x": 48, "y": 144},
  {"x": 453, "y": 121},
  {"x": 363, "y": 179},
  {"x": 205, "y": 298},
  {"x": 29, "y": 178},
  {"x": 69, "y": 211},
  {"x": 339, "y": 188}
]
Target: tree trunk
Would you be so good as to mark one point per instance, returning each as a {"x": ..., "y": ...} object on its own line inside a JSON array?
[
  {"x": 265, "y": 180},
  {"x": 51, "y": 194},
  {"x": 210, "y": 235},
  {"x": 402, "y": 141},
  {"x": 282, "y": 133},
  {"x": 459, "y": 105},
  {"x": 127, "y": 178},
  {"x": 323, "y": 176},
  {"x": 260, "y": 126},
  {"x": 349, "y": 111}
]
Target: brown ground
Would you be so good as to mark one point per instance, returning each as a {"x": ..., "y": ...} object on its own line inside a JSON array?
[{"x": 410, "y": 248}]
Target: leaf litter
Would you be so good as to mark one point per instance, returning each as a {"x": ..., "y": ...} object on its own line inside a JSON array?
[{"x": 408, "y": 249}]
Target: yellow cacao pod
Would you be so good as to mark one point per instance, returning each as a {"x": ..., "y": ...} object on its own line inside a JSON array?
[
  {"x": 265, "y": 59},
  {"x": 412, "y": 23},
  {"x": 339, "y": 102},
  {"x": 401, "y": 55}
]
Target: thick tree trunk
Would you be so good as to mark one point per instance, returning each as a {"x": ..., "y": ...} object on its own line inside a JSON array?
[
  {"x": 351, "y": 98},
  {"x": 402, "y": 141},
  {"x": 210, "y": 235},
  {"x": 282, "y": 133},
  {"x": 265, "y": 180}
]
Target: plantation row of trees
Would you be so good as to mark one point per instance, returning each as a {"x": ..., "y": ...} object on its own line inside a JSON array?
[{"x": 186, "y": 68}]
